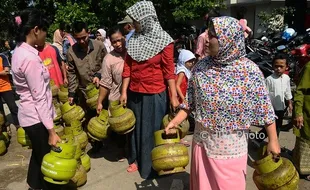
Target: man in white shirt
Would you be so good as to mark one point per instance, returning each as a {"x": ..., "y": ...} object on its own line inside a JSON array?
[{"x": 278, "y": 85}]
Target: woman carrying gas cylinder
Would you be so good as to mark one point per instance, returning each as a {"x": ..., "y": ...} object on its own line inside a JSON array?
[{"x": 31, "y": 78}]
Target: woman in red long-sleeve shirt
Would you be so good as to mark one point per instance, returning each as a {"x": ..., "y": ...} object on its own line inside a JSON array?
[{"x": 148, "y": 68}]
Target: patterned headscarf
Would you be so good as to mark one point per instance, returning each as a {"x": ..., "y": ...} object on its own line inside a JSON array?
[
  {"x": 152, "y": 39},
  {"x": 228, "y": 91},
  {"x": 231, "y": 40}
]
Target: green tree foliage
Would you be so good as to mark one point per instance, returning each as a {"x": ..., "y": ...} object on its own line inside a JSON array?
[
  {"x": 103, "y": 13},
  {"x": 168, "y": 11},
  {"x": 186, "y": 10},
  {"x": 70, "y": 12},
  {"x": 8, "y": 9},
  {"x": 110, "y": 12},
  {"x": 267, "y": 19}
]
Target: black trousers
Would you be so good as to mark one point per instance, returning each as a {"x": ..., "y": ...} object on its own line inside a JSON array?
[
  {"x": 149, "y": 110},
  {"x": 9, "y": 99},
  {"x": 120, "y": 140},
  {"x": 279, "y": 121},
  {"x": 38, "y": 136}
]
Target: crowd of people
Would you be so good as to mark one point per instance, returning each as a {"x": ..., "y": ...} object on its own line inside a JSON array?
[{"x": 134, "y": 62}]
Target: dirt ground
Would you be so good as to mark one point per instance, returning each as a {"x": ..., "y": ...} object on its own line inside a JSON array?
[{"x": 108, "y": 174}]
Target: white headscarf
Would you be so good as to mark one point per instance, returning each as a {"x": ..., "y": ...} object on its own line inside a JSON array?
[
  {"x": 106, "y": 42},
  {"x": 152, "y": 39},
  {"x": 102, "y": 32},
  {"x": 184, "y": 56}
]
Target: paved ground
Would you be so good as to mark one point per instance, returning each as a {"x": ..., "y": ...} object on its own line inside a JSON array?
[{"x": 108, "y": 174}]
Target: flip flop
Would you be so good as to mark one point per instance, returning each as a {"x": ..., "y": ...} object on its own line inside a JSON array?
[{"x": 132, "y": 168}]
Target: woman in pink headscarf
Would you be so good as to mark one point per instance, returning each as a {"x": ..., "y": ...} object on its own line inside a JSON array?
[{"x": 57, "y": 42}]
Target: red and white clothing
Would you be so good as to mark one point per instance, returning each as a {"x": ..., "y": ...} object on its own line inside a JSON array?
[
  {"x": 183, "y": 87},
  {"x": 184, "y": 56},
  {"x": 49, "y": 57}
]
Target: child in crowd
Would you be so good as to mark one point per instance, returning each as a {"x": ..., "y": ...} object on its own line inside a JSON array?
[
  {"x": 183, "y": 73},
  {"x": 278, "y": 85}
]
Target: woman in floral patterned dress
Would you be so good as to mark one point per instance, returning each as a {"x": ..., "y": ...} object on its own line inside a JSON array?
[{"x": 228, "y": 94}]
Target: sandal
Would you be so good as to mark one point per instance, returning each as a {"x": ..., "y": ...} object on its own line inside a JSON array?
[{"x": 132, "y": 168}]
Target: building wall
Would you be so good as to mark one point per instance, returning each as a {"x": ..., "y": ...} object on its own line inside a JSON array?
[
  {"x": 263, "y": 7},
  {"x": 251, "y": 14},
  {"x": 253, "y": 8}
]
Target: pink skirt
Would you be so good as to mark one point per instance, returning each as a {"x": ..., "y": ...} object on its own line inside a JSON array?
[{"x": 216, "y": 174}]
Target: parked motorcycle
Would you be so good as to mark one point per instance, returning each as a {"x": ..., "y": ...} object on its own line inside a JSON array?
[
  {"x": 297, "y": 47},
  {"x": 298, "y": 50}
]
